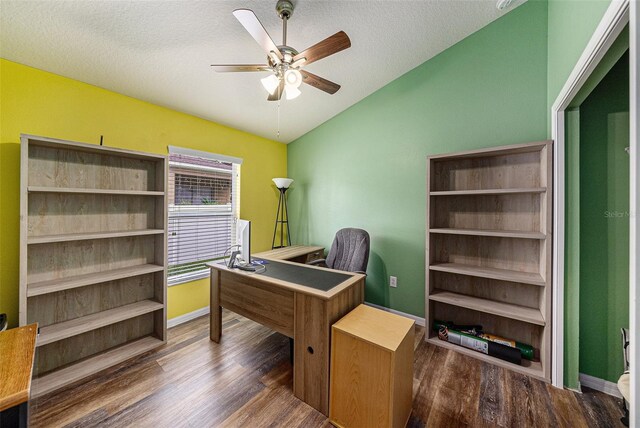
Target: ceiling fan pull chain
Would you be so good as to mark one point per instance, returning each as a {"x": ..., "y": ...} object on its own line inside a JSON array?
[{"x": 278, "y": 134}]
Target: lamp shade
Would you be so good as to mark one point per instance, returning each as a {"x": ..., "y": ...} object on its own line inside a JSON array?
[
  {"x": 291, "y": 92},
  {"x": 293, "y": 78},
  {"x": 283, "y": 183},
  {"x": 270, "y": 83}
]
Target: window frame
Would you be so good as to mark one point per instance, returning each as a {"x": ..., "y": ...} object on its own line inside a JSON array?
[{"x": 183, "y": 278}]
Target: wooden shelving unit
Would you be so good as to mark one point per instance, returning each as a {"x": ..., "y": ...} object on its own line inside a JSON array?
[
  {"x": 489, "y": 240},
  {"x": 92, "y": 256}
]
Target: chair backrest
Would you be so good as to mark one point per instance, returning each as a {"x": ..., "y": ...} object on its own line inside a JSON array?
[{"x": 350, "y": 250}]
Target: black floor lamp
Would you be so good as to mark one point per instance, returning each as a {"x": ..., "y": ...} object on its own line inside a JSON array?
[{"x": 282, "y": 216}]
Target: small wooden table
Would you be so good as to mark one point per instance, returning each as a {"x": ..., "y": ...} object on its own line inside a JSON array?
[
  {"x": 294, "y": 253},
  {"x": 17, "y": 350},
  {"x": 371, "y": 369}
]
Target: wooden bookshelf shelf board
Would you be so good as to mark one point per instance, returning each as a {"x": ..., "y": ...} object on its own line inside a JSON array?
[
  {"x": 530, "y": 368},
  {"x": 488, "y": 241},
  {"x": 491, "y": 273},
  {"x": 506, "y": 310},
  {"x": 63, "y": 330},
  {"x": 487, "y": 191},
  {"x": 55, "y": 285},
  {"x": 50, "y": 189},
  {"x": 91, "y": 235},
  {"x": 497, "y": 233},
  {"x": 67, "y": 375}
]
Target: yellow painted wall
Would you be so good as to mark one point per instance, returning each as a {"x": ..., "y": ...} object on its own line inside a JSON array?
[{"x": 36, "y": 102}]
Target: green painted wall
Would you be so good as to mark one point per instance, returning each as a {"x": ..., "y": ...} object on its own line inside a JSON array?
[
  {"x": 571, "y": 24},
  {"x": 366, "y": 167},
  {"x": 604, "y": 224}
]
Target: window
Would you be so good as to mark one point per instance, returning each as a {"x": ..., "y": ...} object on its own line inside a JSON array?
[{"x": 203, "y": 205}]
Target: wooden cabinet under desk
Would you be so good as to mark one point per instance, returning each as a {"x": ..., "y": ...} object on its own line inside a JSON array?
[{"x": 371, "y": 369}]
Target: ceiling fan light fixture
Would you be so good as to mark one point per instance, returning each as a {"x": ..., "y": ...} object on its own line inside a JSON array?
[
  {"x": 270, "y": 83},
  {"x": 293, "y": 78},
  {"x": 291, "y": 92},
  {"x": 298, "y": 63},
  {"x": 274, "y": 57}
]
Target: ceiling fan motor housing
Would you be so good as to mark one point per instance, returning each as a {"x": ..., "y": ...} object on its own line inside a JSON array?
[
  {"x": 284, "y": 9},
  {"x": 287, "y": 55}
]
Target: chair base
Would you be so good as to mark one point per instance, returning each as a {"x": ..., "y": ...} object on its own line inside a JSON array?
[{"x": 625, "y": 418}]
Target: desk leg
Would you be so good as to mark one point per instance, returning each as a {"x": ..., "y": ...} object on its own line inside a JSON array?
[
  {"x": 17, "y": 416},
  {"x": 312, "y": 340},
  {"x": 215, "y": 313},
  {"x": 311, "y": 352}
]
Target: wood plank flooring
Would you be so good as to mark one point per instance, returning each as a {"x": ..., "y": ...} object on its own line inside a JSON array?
[{"x": 246, "y": 381}]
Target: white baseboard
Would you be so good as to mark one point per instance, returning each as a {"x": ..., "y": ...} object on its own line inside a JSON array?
[
  {"x": 418, "y": 320},
  {"x": 187, "y": 317},
  {"x": 600, "y": 385}
]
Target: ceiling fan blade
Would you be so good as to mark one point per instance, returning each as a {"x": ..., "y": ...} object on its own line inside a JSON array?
[
  {"x": 252, "y": 24},
  {"x": 328, "y": 46},
  {"x": 226, "y": 68},
  {"x": 319, "y": 82},
  {"x": 278, "y": 92}
]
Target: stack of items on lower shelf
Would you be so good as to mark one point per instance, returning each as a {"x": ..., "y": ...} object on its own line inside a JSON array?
[{"x": 472, "y": 337}]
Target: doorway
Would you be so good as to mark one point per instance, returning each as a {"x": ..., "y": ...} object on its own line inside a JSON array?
[{"x": 597, "y": 225}]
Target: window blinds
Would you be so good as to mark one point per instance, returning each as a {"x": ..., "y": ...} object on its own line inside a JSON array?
[{"x": 203, "y": 205}]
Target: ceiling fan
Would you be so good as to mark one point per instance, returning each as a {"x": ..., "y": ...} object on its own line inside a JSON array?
[{"x": 284, "y": 62}]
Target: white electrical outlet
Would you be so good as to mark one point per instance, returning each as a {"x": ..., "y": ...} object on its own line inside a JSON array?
[{"x": 393, "y": 281}]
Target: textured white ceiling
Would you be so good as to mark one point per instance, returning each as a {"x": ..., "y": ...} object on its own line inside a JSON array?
[{"x": 160, "y": 51}]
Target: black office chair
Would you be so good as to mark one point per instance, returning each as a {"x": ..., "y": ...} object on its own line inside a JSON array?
[{"x": 349, "y": 251}]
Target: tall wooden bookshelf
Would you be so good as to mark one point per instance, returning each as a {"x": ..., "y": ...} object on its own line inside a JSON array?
[
  {"x": 93, "y": 240},
  {"x": 489, "y": 225}
]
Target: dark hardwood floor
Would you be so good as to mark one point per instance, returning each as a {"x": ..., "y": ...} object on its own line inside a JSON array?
[{"x": 246, "y": 382}]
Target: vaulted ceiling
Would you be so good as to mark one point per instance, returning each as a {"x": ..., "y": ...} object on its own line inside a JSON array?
[{"x": 161, "y": 51}]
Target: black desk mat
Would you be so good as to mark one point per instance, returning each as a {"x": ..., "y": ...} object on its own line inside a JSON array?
[{"x": 299, "y": 274}]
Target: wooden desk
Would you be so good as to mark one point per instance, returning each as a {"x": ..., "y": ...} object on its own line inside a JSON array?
[
  {"x": 294, "y": 253},
  {"x": 17, "y": 349},
  {"x": 301, "y": 312}
]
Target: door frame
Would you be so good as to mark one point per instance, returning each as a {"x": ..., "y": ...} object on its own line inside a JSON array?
[
  {"x": 613, "y": 22},
  {"x": 634, "y": 221}
]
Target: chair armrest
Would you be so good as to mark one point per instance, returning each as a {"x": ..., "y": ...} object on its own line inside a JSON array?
[
  {"x": 322, "y": 262},
  {"x": 360, "y": 271}
]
